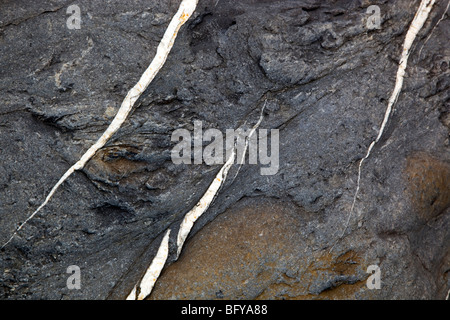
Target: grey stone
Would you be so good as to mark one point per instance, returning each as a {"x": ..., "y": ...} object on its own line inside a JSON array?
[{"x": 326, "y": 79}]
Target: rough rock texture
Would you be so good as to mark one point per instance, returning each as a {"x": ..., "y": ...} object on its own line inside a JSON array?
[
  {"x": 326, "y": 78},
  {"x": 259, "y": 250}
]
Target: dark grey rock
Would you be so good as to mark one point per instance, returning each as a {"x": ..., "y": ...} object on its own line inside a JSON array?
[{"x": 326, "y": 78}]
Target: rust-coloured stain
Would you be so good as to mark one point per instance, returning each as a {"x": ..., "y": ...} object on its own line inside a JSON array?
[
  {"x": 428, "y": 184},
  {"x": 184, "y": 17},
  {"x": 113, "y": 162},
  {"x": 256, "y": 247}
]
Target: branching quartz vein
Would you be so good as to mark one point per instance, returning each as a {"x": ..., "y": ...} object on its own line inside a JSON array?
[
  {"x": 210, "y": 194},
  {"x": 252, "y": 131},
  {"x": 416, "y": 25},
  {"x": 186, "y": 9},
  {"x": 202, "y": 205},
  {"x": 185, "y": 228}
]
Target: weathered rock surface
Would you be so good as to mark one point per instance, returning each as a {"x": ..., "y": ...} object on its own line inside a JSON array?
[
  {"x": 326, "y": 78},
  {"x": 260, "y": 250}
]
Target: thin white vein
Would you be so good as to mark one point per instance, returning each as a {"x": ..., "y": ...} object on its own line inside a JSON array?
[
  {"x": 153, "y": 272},
  {"x": 204, "y": 203},
  {"x": 186, "y": 9},
  {"x": 435, "y": 26},
  {"x": 417, "y": 24},
  {"x": 192, "y": 216},
  {"x": 132, "y": 295},
  {"x": 252, "y": 131},
  {"x": 185, "y": 227}
]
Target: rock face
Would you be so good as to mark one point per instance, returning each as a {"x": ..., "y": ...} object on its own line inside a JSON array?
[
  {"x": 324, "y": 77},
  {"x": 260, "y": 249}
]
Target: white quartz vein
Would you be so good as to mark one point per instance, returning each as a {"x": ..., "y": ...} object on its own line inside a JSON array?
[
  {"x": 416, "y": 25},
  {"x": 186, "y": 9}
]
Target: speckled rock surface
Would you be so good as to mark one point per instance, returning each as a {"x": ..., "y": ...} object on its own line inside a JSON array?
[{"x": 326, "y": 78}]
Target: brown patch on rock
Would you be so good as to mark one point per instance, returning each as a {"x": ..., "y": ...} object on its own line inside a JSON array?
[
  {"x": 116, "y": 162},
  {"x": 322, "y": 265},
  {"x": 257, "y": 250},
  {"x": 428, "y": 184}
]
